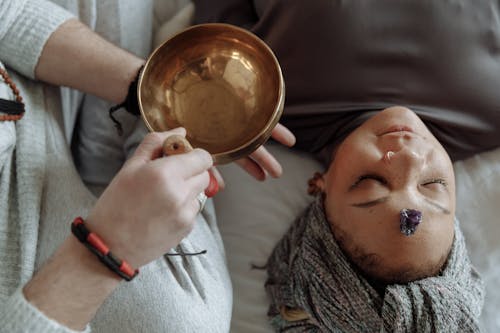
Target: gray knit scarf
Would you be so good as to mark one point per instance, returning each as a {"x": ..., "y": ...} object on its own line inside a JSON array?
[{"x": 308, "y": 270}]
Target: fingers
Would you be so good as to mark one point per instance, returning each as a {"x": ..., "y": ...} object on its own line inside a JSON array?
[
  {"x": 261, "y": 162},
  {"x": 252, "y": 168},
  {"x": 264, "y": 161},
  {"x": 196, "y": 205},
  {"x": 187, "y": 165},
  {"x": 218, "y": 177},
  {"x": 283, "y": 135},
  {"x": 202, "y": 199},
  {"x": 197, "y": 184},
  {"x": 177, "y": 144},
  {"x": 258, "y": 164},
  {"x": 213, "y": 185},
  {"x": 151, "y": 146},
  {"x": 267, "y": 162}
]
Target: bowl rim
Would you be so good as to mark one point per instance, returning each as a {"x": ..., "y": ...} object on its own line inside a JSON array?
[{"x": 259, "y": 138}]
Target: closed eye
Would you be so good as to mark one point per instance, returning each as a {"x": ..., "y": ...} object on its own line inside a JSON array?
[
  {"x": 362, "y": 178},
  {"x": 435, "y": 184},
  {"x": 439, "y": 181}
]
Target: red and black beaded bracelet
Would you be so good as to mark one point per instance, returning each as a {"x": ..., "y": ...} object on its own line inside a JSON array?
[{"x": 97, "y": 246}]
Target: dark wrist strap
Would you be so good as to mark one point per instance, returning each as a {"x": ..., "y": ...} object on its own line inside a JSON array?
[
  {"x": 11, "y": 110},
  {"x": 130, "y": 104},
  {"x": 97, "y": 246},
  {"x": 11, "y": 107}
]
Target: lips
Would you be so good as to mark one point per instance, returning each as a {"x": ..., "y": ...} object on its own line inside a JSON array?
[{"x": 397, "y": 128}]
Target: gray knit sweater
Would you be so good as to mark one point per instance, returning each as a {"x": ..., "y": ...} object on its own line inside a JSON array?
[{"x": 41, "y": 192}]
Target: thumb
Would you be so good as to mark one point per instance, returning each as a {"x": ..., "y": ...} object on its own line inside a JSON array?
[{"x": 151, "y": 146}]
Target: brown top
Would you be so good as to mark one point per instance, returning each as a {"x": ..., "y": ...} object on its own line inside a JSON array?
[{"x": 344, "y": 60}]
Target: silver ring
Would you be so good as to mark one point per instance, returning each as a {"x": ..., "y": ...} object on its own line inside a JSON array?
[{"x": 202, "y": 199}]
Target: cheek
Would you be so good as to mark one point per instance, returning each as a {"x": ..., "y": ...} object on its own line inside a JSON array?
[
  {"x": 339, "y": 170},
  {"x": 439, "y": 228},
  {"x": 338, "y": 211},
  {"x": 333, "y": 203},
  {"x": 364, "y": 230}
]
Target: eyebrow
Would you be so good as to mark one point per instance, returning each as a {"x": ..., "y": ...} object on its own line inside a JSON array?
[
  {"x": 438, "y": 206},
  {"x": 371, "y": 203},
  {"x": 375, "y": 202}
]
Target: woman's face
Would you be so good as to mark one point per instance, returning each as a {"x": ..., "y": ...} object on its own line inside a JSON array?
[{"x": 389, "y": 163}]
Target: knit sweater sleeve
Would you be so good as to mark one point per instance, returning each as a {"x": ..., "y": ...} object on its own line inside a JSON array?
[
  {"x": 24, "y": 29},
  {"x": 18, "y": 315}
]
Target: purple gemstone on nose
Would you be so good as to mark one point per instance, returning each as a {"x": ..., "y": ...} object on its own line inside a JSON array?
[{"x": 409, "y": 220}]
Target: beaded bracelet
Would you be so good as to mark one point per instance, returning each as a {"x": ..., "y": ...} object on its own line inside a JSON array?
[
  {"x": 97, "y": 246},
  {"x": 14, "y": 110}
]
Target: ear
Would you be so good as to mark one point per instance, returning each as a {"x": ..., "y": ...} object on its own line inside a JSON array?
[{"x": 316, "y": 184}]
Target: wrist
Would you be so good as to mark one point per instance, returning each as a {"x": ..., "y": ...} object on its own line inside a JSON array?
[
  {"x": 71, "y": 286},
  {"x": 98, "y": 247},
  {"x": 130, "y": 74},
  {"x": 129, "y": 103},
  {"x": 79, "y": 259}
]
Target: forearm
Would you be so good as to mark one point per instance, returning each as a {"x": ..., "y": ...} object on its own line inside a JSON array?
[
  {"x": 71, "y": 286},
  {"x": 25, "y": 27},
  {"x": 77, "y": 57}
]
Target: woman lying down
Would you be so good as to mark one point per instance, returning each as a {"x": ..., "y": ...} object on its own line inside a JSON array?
[{"x": 379, "y": 249}]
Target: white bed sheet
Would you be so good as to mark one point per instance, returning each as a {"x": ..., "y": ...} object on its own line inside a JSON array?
[{"x": 253, "y": 216}]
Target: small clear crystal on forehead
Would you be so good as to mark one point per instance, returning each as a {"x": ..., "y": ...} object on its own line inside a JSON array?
[{"x": 409, "y": 220}]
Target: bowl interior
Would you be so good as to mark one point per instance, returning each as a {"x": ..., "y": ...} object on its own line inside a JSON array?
[{"x": 220, "y": 82}]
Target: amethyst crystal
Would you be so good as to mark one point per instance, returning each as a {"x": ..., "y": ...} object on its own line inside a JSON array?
[{"x": 409, "y": 220}]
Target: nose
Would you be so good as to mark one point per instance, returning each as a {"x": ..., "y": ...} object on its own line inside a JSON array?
[
  {"x": 409, "y": 158},
  {"x": 406, "y": 162}
]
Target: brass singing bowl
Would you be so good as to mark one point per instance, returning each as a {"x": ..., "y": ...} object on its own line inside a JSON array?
[{"x": 222, "y": 83}]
